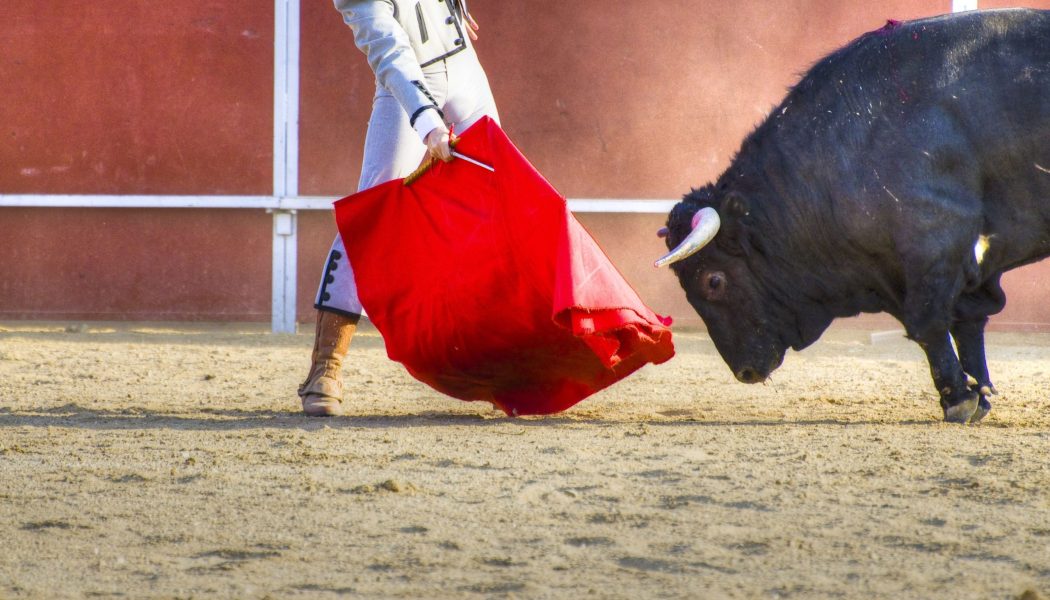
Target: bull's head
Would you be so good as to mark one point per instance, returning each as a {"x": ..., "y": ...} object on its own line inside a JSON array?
[{"x": 724, "y": 274}]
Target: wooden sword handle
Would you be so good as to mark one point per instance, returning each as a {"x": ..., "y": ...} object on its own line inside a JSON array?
[{"x": 428, "y": 162}]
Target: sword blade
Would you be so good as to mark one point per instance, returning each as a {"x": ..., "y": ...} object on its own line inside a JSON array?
[{"x": 472, "y": 161}]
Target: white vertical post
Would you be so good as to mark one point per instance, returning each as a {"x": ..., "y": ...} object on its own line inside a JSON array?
[
  {"x": 284, "y": 254},
  {"x": 963, "y": 5},
  {"x": 285, "y": 162}
]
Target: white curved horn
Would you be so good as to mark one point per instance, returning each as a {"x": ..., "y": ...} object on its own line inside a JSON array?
[{"x": 705, "y": 226}]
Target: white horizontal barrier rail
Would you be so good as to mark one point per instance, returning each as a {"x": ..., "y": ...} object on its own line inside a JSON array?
[
  {"x": 580, "y": 205},
  {"x": 121, "y": 201},
  {"x": 284, "y": 225},
  {"x": 609, "y": 205}
]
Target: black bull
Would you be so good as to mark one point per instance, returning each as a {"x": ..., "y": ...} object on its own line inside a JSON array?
[{"x": 904, "y": 173}]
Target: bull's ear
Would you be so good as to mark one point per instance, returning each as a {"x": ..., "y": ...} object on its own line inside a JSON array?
[{"x": 733, "y": 236}]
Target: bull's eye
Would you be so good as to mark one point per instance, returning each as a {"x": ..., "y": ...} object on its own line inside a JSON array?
[{"x": 714, "y": 284}]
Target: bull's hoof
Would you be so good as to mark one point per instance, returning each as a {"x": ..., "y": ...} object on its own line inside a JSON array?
[
  {"x": 983, "y": 408},
  {"x": 962, "y": 411}
]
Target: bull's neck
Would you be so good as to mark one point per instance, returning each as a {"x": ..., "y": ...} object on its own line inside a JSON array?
[{"x": 802, "y": 242}]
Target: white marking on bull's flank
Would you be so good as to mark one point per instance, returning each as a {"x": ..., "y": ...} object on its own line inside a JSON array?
[
  {"x": 1042, "y": 168},
  {"x": 891, "y": 194},
  {"x": 980, "y": 248}
]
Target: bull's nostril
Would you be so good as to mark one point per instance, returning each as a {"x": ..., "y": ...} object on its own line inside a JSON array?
[{"x": 748, "y": 375}]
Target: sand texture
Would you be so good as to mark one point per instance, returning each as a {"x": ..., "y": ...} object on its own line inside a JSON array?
[{"x": 162, "y": 462}]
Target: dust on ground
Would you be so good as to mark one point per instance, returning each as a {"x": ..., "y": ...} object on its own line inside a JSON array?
[{"x": 159, "y": 462}]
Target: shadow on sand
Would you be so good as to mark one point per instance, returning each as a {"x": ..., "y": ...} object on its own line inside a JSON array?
[{"x": 76, "y": 416}]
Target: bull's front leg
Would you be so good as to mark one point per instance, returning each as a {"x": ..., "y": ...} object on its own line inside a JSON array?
[
  {"x": 927, "y": 322},
  {"x": 969, "y": 339},
  {"x": 971, "y": 317},
  {"x": 934, "y": 281},
  {"x": 958, "y": 401}
]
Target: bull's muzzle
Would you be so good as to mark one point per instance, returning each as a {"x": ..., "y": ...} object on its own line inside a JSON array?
[{"x": 749, "y": 375}]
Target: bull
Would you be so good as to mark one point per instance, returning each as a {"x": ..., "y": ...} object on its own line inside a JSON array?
[{"x": 903, "y": 173}]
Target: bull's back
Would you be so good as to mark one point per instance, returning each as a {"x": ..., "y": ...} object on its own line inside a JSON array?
[
  {"x": 985, "y": 73},
  {"x": 965, "y": 103},
  {"x": 992, "y": 80},
  {"x": 995, "y": 85}
]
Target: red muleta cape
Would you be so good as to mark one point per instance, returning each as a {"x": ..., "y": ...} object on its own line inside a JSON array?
[{"x": 487, "y": 288}]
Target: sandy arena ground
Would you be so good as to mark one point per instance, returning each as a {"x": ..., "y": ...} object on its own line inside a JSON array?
[{"x": 152, "y": 462}]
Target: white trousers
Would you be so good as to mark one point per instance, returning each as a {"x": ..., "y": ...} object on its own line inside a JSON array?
[{"x": 393, "y": 150}]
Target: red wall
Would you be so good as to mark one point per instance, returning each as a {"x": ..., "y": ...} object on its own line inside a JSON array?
[
  {"x": 641, "y": 101},
  {"x": 118, "y": 264},
  {"x": 121, "y": 97},
  {"x": 638, "y": 102}
]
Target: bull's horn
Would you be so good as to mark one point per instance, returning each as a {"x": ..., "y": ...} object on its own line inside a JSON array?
[{"x": 705, "y": 226}]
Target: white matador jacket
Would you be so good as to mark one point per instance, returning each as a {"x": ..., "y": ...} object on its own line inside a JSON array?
[
  {"x": 400, "y": 39},
  {"x": 426, "y": 73}
]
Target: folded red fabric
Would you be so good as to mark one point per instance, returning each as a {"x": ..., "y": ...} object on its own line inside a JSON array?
[{"x": 487, "y": 288}]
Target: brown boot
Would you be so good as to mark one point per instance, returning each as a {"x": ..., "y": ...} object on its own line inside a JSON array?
[{"x": 322, "y": 392}]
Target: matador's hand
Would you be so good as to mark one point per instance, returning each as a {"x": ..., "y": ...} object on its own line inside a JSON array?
[{"x": 438, "y": 141}]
